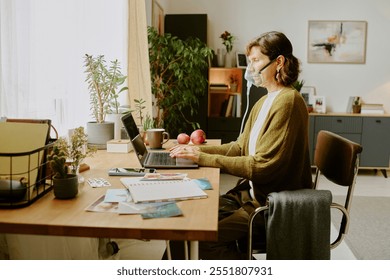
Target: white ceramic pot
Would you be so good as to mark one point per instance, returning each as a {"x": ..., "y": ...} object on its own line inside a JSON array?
[{"x": 100, "y": 133}]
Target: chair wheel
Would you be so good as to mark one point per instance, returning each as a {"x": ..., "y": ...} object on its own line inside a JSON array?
[{"x": 112, "y": 248}]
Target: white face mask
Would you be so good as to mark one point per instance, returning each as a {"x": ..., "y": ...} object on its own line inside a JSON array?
[{"x": 254, "y": 77}]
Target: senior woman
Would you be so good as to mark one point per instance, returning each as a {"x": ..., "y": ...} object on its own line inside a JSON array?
[{"x": 270, "y": 155}]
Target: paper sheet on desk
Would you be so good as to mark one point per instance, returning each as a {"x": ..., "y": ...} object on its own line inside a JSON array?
[
  {"x": 101, "y": 206},
  {"x": 139, "y": 208},
  {"x": 153, "y": 210},
  {"x": 122, "y": 199}
]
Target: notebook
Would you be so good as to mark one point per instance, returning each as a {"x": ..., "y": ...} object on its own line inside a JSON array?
[
  {"x": 148, "y": 158},
  {"x": 160, "y": 191}
]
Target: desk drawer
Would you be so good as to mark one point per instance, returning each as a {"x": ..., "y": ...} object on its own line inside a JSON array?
[{"x": 339, "y": 124}]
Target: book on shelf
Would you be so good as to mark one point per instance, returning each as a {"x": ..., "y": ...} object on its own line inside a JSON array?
[
  {"x": 370, "y": 108},
  {"x": 219, "y": 86},
  {"x": 229, "y": 108},
  {"x": 238, "y": 105},
  {"x": 224, "y": 107},
  {"x": 234, "y": 106}
]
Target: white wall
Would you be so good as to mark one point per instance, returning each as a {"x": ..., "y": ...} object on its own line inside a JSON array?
[{"x": 247, "y": 19}]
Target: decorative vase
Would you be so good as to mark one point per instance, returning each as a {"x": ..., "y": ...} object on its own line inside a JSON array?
[
  {"x": 229, "y": 60},
  {"x": 221, "y": 57},
  {"x": 66, "y": 188},
  {"x": 100, "y": 133}
]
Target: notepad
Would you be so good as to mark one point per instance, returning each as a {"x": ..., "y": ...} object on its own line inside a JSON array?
[{"x": 159, "y": 191}]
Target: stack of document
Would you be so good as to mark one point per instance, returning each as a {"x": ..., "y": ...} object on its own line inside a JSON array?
[
  {"x": 368, "y": 108},
  {"x": 151, "y": 198},
  {"x": 160, "y": 191}
]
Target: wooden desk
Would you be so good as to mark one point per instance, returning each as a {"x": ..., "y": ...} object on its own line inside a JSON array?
[{"x": 51, "y": 216}]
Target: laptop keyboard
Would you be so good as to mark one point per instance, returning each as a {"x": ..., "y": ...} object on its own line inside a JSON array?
[{"x": 161, "y": 159}]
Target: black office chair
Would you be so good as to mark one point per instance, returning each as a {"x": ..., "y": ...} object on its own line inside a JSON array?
[{"x": 336, "y": 158}]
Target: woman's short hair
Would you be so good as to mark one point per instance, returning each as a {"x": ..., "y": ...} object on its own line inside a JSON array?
[{"x": 273, "y": 44}]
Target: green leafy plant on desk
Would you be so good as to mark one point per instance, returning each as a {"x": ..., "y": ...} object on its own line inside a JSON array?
[
  {"x": 103, "y": 84},
  {"x": 66, "y": 157},
  {"x": 65, "y": 160}
]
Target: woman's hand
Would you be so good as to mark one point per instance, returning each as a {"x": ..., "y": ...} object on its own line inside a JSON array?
[{"x": 185, "y": 151}]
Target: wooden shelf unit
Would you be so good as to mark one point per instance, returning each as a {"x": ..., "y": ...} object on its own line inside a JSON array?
[{"x": 216, "y": 97}]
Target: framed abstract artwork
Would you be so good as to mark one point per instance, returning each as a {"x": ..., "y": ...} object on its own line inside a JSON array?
[{"x": 337, "y": 41}]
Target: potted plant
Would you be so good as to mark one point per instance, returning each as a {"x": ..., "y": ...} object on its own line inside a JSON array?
[
  {"x": 298, "y": 84},
  {"x": 227, "y": 41},
  {"x": 103, "y": 84},
  {"x": 65, "y": 159},
  {"x": 179, "y": 79},
  {"x": 356, "y": 106},
  {"x": 146, "y": 121}
]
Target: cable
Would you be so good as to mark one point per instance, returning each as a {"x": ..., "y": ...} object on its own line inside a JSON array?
[
  {"x": 249, "y": 82},
  {"x": 248, "y": 88}
]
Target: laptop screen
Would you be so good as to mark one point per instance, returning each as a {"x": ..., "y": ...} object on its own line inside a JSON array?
[{"x": 135, "y": 137}]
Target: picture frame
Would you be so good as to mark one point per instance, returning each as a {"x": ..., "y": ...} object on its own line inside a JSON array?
[
  {"x": 308, "y": 93},
  {"x": 319, "y": 104},
  {"x": 337, "y": 41},
  {"x": 157, "y": 17},
  {"x": 242, "y": 61}
]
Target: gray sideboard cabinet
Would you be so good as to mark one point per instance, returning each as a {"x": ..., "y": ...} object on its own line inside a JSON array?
[{"x": 371, "y": 131}]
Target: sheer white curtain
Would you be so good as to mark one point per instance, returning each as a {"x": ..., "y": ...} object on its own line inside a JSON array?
[
  {"x": 14, "y": 55},
  {"x": 42, "y": 48},
  {"x": 138, "y": 67}
]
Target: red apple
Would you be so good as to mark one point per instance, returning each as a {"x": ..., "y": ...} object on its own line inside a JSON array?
[
  {"x": 183, "y": 138},
  {"x": 198, "y": 137}
]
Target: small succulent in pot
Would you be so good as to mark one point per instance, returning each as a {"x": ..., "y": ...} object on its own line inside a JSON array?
[{"x": 66, "y": 157}]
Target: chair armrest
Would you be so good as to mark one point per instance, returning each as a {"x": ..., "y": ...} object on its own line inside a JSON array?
[
  {"x": 250, "y": 227},
  {"x": 344, "y": 225}
]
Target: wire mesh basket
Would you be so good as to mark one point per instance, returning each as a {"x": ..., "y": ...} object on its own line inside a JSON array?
[{"x": 24, "y": 177}]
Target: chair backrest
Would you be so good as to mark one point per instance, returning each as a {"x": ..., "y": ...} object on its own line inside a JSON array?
[{"x": 337, "y": 158}]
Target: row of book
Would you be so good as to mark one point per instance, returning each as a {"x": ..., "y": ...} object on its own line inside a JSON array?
[
  {"x": 231, "y": 106},
  {"x": 367, "y": 108}
]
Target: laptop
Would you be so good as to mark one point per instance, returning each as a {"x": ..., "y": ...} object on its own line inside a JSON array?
[{"x": 148, "y": 158}]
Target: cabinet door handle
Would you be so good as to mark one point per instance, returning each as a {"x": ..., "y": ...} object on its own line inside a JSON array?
[
  {"x": 339, "y": 121},
  {"x": 378, "y": 121}
]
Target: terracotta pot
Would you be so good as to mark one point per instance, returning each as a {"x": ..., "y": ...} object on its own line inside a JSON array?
[
  {"x": 233, "y": 87},
  {"x": 356, "y": 109},
  {"x": 145, "y": 138}
]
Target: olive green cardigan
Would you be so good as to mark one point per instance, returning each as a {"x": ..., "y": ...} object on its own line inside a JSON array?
[{"x": 281, "y": 161}]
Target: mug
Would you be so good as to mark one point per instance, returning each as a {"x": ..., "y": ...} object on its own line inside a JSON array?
[{"x": 157, "y": 137}]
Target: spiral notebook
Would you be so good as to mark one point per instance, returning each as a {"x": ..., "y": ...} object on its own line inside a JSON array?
[{"x": 159, "y": 191}]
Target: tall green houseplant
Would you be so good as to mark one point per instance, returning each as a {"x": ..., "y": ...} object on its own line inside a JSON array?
[
  {"x": 103, "y": 84},
  {"x": 177, "y": 70}
]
